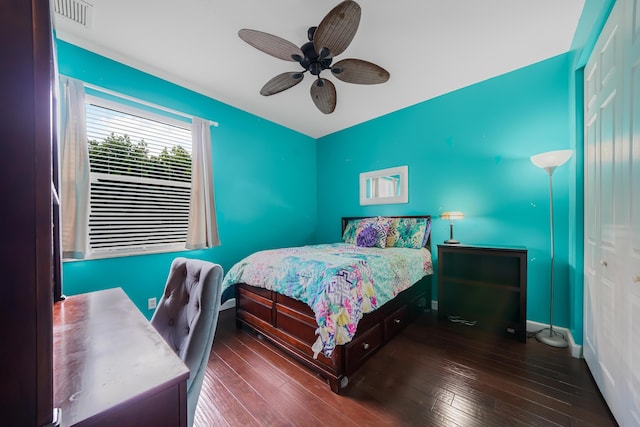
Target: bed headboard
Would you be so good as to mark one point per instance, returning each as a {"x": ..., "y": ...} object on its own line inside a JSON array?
[{"x": 346, "y": 219}]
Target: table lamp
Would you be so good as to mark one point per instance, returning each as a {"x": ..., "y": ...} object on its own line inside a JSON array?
[{"x": 451, "y": 216}]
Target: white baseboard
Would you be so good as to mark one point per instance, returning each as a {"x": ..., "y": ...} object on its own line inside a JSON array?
[
  {"x": 576, "y": 349},
  {"x": 230, "y": 303}
]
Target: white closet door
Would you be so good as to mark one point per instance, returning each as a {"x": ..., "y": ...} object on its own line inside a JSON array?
[
  {"x": 612, "y": 213},
  {"x": 603, "y": 210},
  {"x": 631, "y": 273}
]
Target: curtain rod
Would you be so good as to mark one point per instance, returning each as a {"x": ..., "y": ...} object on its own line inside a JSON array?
[{"x": 140, "y": 101}]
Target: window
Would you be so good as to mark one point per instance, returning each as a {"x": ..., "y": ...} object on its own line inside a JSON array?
[{"x": 140, "y": 165}]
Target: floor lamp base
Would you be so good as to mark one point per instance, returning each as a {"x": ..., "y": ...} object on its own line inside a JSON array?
[{"x": 549, "y": 337}]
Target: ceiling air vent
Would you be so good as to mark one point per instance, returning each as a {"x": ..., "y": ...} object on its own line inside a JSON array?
[{"x": 76, "y": 10}]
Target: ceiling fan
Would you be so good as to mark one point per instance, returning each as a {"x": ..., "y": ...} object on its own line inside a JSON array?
[{"x": 329, "y": 39}]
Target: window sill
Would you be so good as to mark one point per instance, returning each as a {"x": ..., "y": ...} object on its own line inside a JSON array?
[{"x": 124, "y": 254}]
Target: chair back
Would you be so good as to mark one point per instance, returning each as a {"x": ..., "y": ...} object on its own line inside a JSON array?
[{"x": 187, "y": 316}]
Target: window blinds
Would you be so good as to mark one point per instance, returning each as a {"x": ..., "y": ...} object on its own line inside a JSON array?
[{"x": 140, "y": 180}]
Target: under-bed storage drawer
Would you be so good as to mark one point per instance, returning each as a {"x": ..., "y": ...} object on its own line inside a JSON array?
[
  {"x": 362, "y": 347},
  {"x": 395, "y": 322}
]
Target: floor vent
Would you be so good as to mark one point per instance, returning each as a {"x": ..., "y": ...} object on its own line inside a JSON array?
[{"x": 76, "y": 10}]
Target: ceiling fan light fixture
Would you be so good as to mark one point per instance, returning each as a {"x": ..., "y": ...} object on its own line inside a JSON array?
[
  {"x": 324, "y": 53},
  {"x": 310, "y": 32},
  {"x": 315, "y": 68}
]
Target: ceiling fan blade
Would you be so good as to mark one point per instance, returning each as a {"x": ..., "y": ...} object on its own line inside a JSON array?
[
  {"x": 270, "y": 44},
  {"x": 338, "y": 28},
  {"x": 323, "y": 93},
  {"x": 359, "y": 71},
  {"x": 281, "y": 82}
]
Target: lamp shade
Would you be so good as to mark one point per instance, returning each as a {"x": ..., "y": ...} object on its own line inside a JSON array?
[
  {"x": 452, "y": 215},
  {"x": 551, "y": 159}
]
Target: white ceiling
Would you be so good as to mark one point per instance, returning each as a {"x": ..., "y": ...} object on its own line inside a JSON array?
[{"x": 430, "y": 47}]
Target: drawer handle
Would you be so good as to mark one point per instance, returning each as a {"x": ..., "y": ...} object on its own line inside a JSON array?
[
  {"x": 365, "y": 346},
  {"x": 396, "y": 321},
  {"x": 603, "y": 262}
]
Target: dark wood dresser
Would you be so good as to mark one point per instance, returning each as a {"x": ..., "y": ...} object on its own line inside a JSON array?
[
  {"x": 111, "y": 367},
  {"x": 484, "y": 287}
]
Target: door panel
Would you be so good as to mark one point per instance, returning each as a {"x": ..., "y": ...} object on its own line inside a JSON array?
[
  {"x": 606, "y": 166},
  {"x": 632, "y": 377}
]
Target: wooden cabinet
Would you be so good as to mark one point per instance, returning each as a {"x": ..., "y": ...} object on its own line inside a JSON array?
[
  {"x": 484, "y": 286},
  {"x": 27, "y": 235}
]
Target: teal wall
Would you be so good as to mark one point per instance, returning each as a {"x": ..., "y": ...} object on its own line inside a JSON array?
[
  {"x": 264, "y": 179},
  {"x": 469, "y": 150}
]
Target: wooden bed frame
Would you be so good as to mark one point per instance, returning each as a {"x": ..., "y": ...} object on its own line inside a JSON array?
[{"x": 290, "y": 325}]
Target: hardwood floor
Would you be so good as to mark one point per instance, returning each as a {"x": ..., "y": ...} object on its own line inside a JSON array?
[{"x": 432, "y": 374}]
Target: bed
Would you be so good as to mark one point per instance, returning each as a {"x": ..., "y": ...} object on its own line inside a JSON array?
[{"x": 332, "y": 306}]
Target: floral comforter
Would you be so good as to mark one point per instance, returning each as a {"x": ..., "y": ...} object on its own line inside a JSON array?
[{"x": 339, "y": 281}]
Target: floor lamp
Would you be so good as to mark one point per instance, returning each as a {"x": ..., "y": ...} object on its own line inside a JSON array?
[{"x": 549, "y": 161}]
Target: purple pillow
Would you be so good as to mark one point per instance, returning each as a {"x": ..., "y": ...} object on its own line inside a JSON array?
[{"x": 367, "y": 237}]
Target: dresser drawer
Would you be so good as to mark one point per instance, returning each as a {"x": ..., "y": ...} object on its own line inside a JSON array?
[
  {"x": 395, "y": 322},
  {"x": 362, "y": 347}
]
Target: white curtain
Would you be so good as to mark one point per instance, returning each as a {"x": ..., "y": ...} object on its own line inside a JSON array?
[
  {"x": 203, "y": 228},
  {"x": 74, "y": 170}
]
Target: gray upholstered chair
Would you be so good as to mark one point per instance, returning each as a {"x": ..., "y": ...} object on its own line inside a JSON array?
[{"x": 187, "y": 316}]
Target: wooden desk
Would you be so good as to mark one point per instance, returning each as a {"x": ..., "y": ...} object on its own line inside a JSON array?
[{"x": 111, "y": 367}]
